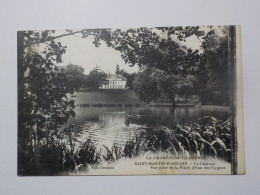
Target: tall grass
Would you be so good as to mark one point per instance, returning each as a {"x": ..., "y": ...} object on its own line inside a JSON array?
[{"x": 203, "y": 138}]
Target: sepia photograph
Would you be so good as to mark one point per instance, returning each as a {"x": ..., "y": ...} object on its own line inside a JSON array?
[
  {"x": 130, "y": 101},
  {"x": 129, "y": 97}
]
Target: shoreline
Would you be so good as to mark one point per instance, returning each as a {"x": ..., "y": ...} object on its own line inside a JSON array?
[{"x": 204, "y": 107}]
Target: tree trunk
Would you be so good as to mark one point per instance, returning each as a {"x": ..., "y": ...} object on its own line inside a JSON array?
[{"x": 172, "y": 99}]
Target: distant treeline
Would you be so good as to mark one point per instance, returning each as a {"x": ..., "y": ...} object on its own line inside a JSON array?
[{"x": 95, "y": 78}]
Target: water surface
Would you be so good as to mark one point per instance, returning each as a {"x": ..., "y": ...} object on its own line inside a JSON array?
[{"x": 108, "y": 125}]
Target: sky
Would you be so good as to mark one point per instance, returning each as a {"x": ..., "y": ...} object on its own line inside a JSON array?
[{"x": 81, "y": 51}]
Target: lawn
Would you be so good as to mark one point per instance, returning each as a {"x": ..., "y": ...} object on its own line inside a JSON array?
[{"x": 106, "y": 97}]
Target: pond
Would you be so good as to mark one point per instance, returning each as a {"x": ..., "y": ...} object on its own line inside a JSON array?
[{"x": 108, "y": 125}]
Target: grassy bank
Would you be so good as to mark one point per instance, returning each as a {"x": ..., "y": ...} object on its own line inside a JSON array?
[
  {"x": 118, "y": 98},
  {"x": 215, "y": 108},
  {"x": 106, "y": 97}
]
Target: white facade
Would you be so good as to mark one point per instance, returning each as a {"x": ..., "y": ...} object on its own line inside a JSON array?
[{"x": 114, "y": 82}]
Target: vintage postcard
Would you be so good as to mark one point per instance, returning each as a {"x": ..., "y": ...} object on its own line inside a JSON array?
[{"x": 132, "y": 101}]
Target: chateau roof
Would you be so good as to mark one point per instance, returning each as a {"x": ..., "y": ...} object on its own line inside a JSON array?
[{"x": 115, "y": 77}]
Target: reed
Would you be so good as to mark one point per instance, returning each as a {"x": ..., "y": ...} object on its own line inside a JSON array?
[
  {"x": 206, "y": 137},
  {"x": 203, "y": 138}
]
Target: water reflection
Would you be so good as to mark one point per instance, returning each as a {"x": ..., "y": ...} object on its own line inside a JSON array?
[{"x": 115, "y": 124}]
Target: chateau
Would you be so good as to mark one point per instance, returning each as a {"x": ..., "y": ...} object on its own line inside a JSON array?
[{"x": 114, "y": 81}]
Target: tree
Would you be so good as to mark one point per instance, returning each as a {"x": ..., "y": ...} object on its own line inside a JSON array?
[
  {"x": 129, "y": 76},
  {"x": 75, "y": 75},
  {"x": 164, "y": 49},
  {"x": 95, "y": 79},
  {"x": 43, "y": 104},
  {"x": 216, "y": 78},
  {"x": 118, "y": 69},
  {"x": 153, "y": 83},
  {"x": 149, "y": 48},
  {"x": 145, "y": 86}
]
